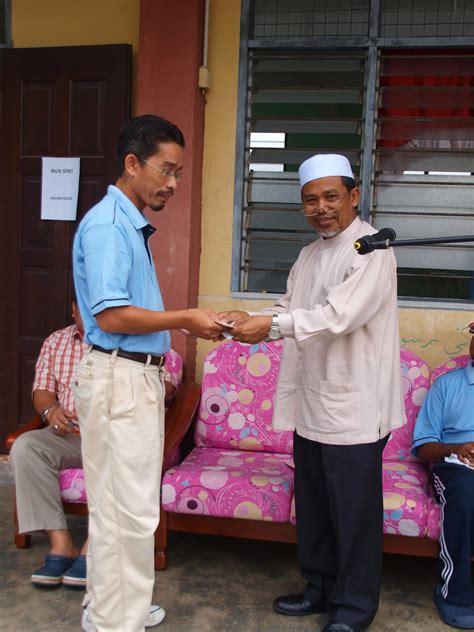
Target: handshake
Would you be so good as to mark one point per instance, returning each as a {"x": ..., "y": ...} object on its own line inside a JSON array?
[{"x": 234, "y": 324}]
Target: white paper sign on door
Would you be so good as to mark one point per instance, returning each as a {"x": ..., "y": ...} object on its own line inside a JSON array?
[{"x": 60, "y": 188}]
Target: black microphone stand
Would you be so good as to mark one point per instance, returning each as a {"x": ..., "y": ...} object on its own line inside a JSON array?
[{"x": 430, "y": 240}]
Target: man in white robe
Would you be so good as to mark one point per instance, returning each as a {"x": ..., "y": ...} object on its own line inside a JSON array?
[{"x": 340, "y": 390}]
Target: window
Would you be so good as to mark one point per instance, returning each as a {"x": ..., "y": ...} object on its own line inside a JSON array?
[{"x": 390, "y": 84}]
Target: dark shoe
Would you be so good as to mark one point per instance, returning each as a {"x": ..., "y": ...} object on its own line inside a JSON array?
[
  {"x": 76, "y": 575},
  {"x": 52, "y": 571},
  {"x": 297, "y": 606},
  {"x": 452, "y": 614},
  {"x": 338, "y": 626}
]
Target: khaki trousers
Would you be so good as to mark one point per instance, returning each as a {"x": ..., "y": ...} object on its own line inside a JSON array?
[
  {"x": 120, "y": 406},
  {"x": 37, "y": 457}
]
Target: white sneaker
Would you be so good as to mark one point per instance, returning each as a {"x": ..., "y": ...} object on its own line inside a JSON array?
[{"x": 155, "y": 616}]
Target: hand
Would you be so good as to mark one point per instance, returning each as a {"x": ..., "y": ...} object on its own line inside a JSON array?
[
  {"x": 232, "y": 315},
  {"x": 251, "y": 329},
  {"x": 169, "y": 390},
  {"x": 465, "y": 453},
  {"x": 59, "y": 421},
  {"x": 201, "y": 323}
]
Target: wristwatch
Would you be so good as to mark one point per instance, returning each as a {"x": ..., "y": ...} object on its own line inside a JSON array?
[
  {"x": 274, "y": 332},
  {"x": 45, "y": 411}
]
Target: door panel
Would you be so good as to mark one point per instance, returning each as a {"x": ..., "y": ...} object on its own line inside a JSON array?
[{"x": 55, "y": 102}]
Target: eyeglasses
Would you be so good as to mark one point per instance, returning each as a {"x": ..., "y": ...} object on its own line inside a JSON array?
[
  {"x": 168, "y": 173},
  {"x": 312, "y": 208}
]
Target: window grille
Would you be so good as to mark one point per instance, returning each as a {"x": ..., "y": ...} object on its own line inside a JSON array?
[
  {"x": 310, "y": 18},
  {"x": 427, "y": 18}
]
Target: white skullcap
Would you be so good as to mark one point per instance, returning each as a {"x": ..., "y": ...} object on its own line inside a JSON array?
[{"x": 324, "y": 165}]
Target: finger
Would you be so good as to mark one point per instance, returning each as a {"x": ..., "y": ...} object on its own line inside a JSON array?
[{"x": 61, "y": 417}]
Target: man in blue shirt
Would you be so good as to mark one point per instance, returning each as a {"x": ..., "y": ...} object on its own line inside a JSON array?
[
  {"x": 118, "y": 386},
  {"x": 444, "y": 436}
]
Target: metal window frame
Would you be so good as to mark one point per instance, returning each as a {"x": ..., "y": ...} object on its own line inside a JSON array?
[
  {"x": 372, "y": 44},
  {"x": 8, "y": 25}
]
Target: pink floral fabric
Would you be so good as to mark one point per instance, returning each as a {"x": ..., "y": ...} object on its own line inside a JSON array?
[
  {"x": 454, "y": 363},
  {"x": 405, "y": 491},
  {"x": 71, "y": 481},
  {"x": 72, "y": 485},
  {"x": 415, "y": 382},
  {"x": 233, "y": 483},
  {"x": 238, "y": 390}
]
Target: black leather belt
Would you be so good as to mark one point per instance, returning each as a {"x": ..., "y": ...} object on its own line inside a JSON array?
[{"x": 136, "y": 356}]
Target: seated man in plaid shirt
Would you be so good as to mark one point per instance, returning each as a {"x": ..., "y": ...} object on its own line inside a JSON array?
[{"x": 37, "y": 456}]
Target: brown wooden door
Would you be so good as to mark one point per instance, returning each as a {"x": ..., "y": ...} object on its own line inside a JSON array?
[{"x": 55, "y": 102}]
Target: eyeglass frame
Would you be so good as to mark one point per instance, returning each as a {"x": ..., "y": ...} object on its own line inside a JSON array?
[
  {"x": 335, "y": 205},
  {"x": 167, "y": 173}
]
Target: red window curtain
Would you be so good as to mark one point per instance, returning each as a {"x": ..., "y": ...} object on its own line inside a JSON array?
[{"x": 426, "y": 98}]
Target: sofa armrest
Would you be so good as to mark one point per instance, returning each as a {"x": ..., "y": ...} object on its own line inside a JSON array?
[
  {"x": 33, "y": 424},
  {"x": 179, "y": 417}
]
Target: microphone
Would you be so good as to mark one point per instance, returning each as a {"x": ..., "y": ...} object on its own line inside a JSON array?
[{"x": 378, "y": 241}]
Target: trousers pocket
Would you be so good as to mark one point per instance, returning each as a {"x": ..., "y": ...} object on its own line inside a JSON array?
[{"x": 122, "y": 392}]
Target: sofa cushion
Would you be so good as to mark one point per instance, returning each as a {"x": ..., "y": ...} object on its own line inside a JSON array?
[
  {"x": 405, "y": 498},
  {"x": 233, "y": 484},
  {"x": 237, "y": 395},
  {"x": 454, "y": 363},
  {"x": 415, "y": 382},
  {"x": 72, "y": 486}
]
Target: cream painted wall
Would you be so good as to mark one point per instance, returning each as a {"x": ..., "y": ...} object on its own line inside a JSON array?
[
  {"x": 76, "y": 23},
  {"x": 434, "y": 334}
]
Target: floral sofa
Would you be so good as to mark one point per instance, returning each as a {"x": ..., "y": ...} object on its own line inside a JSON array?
[{"x": 238, "y": 478}]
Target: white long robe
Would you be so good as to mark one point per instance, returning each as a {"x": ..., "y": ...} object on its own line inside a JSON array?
[{"x": 340, "y": 379}]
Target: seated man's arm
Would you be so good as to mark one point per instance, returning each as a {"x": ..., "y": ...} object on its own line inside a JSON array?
[
  {"x": 47, "y": 405},
  {"x": 428, "y": 434},
  {"x": 434, "y": 452},
  {"x": 45, "y": 387}
]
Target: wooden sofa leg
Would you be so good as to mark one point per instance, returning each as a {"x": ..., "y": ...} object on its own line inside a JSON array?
[
  {"x": 161, "y": 542},
  {"x": 21, "y": 541}
]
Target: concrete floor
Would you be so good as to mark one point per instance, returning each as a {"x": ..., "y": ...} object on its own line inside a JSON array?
[{"x": 213, "y": 584}]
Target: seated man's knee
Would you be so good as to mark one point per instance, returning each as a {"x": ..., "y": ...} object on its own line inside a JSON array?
[{"x": 23, "y": 448}]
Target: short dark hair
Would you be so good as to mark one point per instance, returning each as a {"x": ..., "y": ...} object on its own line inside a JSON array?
[
  {"x": 142, "y": 135},
  {"x": 349, "y": 183}
]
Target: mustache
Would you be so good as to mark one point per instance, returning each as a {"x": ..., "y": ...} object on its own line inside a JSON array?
[{"x": 326, "y": 215}]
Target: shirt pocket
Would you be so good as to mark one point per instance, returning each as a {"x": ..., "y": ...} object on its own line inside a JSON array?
[{"x": 334, "y": 406}]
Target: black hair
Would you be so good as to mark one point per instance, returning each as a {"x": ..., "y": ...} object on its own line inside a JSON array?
[
  {"x": 349, "y": 183},
  {"x": 142, "y": 135}
]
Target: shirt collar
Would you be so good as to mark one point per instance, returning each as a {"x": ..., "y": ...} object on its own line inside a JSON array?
[
  {"x": 470, "y": 372},
  {"x": 128, "y": 207},
  {"x": 75, "y": 333}
]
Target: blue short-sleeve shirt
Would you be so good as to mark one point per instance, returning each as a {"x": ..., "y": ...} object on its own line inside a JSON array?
[
  {"x": 447, "y": 414},
  {"x": 112, "y": 268}
]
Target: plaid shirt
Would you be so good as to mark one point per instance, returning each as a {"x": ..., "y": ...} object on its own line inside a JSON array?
[{"x": 59, "y": 356}]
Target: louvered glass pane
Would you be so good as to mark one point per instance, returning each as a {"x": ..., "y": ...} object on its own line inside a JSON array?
[
  {"x": 300, "y": 104},
  {"x": 424, "y": 180}
]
